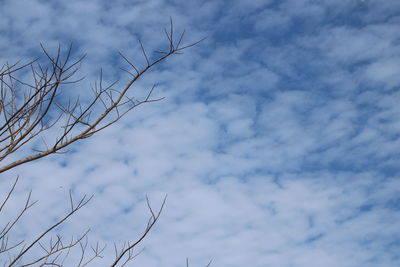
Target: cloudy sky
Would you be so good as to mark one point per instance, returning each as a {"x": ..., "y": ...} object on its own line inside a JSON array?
[{"x": 278, "y": 141}]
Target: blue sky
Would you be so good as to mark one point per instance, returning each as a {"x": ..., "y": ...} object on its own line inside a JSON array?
[{"x": 277, "y": 143}]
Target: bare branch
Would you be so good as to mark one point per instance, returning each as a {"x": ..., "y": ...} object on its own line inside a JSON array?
[
  {"x": 80, "y": 204},
  {"x": 9, "y": 193},
  {"x": 152, "y": 220},
  {"x": 47, "y": 84}
]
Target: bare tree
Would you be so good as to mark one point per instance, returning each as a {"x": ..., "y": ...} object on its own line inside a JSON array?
[{"x": 27, "y": 111}]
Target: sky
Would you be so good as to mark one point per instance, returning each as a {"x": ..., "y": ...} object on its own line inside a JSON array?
[{"x": 277, "y": 141}]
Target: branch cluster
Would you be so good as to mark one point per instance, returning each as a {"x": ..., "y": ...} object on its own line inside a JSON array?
[
  {"x": 27, "y": 115},
  {"x": 56, "y": 251},
  {"x": 29, "y": 110}
]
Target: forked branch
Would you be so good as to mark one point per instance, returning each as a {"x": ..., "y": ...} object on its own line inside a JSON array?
[
  {"x": 127, "y": 251},
  {"x": 23, "y": 119}
]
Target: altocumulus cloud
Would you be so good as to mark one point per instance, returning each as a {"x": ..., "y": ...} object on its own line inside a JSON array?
[{"x": 278, "y": 141}]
